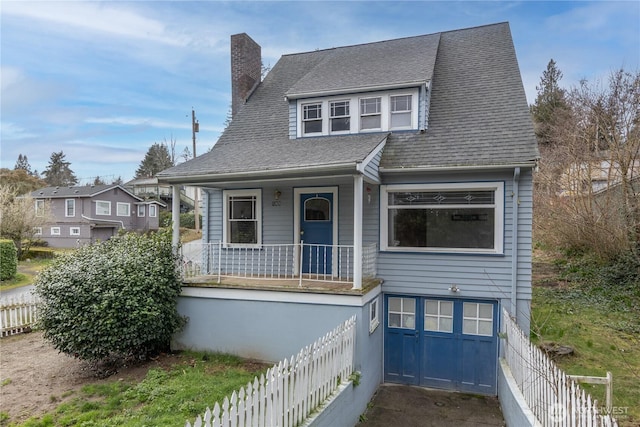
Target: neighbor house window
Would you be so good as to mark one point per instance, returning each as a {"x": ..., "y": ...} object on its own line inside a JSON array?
[
  {"x": 370, "y": 113},
  {"x": 55, "y": 231},
  {"x": 312, "y": 118},
  {"x": 103, "y": 208},
  {"x": 141, "y": 210},
  {"x": 242, "y": 217},
  {"x": 39, "y": 207},
  {"x": 340, "y": 121},
  {"x": 400, "y": 111},
  {"x": 123, "y": 209},
  {"x": 37, "y": 231},
  {"x": 70, "y": 207},
  {"x": 153, "y": 211},
  {"x": 74, "y": 231},
  {"x": 443, "y": 218}
]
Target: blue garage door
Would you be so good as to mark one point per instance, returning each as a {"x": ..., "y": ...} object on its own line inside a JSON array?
[{"x": 442, "y": 343}]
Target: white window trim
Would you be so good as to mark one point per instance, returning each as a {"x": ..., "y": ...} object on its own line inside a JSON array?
[
  {"x": 121, "y": 204},
  {"x": 339, "y": 132},
  {"x": 74, "y": 231},
  {"x": 414, "y": 107},
  {"x": 153, "y": 212},
  {"x": 354, "y": 112},
  {"x": 66, "y": 211},
  {"x": 374, "y": 314},
  {"x": 37, "y": 231},
  {"x": 498, "y": 238},
  {"x": 142, "y": 211},
  {"x": 55, "y": 231},
  {"x": 323, "y": 106},
  {"x": 39, "y": 207},
  {"x": 225, "y": 217},
  {"x": 103, "y": 201}
]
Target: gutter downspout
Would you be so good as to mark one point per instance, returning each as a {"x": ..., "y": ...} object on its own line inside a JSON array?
[
  {"x": 105, "y": 220},
  {"x": 514, "y": 246}
]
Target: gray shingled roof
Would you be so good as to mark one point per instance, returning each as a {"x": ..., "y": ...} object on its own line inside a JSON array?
[
  {"x": 478, "y": 114},
  {"x": 74, "y": 191}
]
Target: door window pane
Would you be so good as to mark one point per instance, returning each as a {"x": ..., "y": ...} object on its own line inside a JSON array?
[
  {"x": 438, "y": 316},
  {"x": 402, "y": 312},
  {"x": 478, "y": 319},
  {"x": 317, "y": 209}
]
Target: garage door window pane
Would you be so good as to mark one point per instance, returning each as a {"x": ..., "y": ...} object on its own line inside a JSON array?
[
  {"x": 478, "y": 319},
  {"x": 438, "y": 316},
  {"x": 402, "y": 313}
]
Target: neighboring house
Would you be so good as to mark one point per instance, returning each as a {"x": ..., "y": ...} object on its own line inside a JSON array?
[
  {"x": 150, "y": 188},
  {"x": 403, "y": 169},
  {"x": 86, "y": 214},
  {"x": 596, "y": 175}
]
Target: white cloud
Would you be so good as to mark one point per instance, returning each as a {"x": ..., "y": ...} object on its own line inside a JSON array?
[
  {"x": 111, "y": 19},
  {"x": 138, "y": 121},
  {"x": 11, "y": 131}
]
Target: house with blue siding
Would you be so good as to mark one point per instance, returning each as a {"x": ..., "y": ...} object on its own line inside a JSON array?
[{"x": 390, "y": 180}]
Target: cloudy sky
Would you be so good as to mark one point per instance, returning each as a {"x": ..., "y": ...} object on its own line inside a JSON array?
[{"x": 103, "y": 81}]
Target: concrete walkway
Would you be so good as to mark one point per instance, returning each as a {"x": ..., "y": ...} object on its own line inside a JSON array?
[{"x": 406, "y": 406}]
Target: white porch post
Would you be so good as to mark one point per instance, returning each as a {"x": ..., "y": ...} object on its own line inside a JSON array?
[
  {"x": 175, "y": 215},
  {"x": 358, "y": 183}
]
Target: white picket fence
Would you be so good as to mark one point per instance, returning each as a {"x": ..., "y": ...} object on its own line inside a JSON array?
[
  {"x": 292, "y": 389},
  {"x": 555, "y": 399},
  {"x": 18, "y": 314}
]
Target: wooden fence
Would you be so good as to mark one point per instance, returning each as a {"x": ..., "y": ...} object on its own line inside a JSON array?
[
  {"x": 554, "y": 398},
  {"x": 18, "y": 314},
  {"x": 292, "y": 389}
]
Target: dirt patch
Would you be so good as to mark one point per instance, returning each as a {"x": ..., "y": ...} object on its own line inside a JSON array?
[{"x": 35, "y": 377}]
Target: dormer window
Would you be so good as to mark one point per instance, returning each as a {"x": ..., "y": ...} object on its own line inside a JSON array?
[
  {"x": 370, "y": 113},
  {"x": 357, "y": 113},
  {"x": 340, "y": 120},
  {"x": 401, "y": 112},
  {"x": 312, "y": 118}
]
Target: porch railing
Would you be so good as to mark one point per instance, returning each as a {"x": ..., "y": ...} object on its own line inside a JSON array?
[{"x": 327, "y": 263}]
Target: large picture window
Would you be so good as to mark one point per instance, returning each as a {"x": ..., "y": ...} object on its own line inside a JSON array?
[
  {"x": 103, "y": 207},
  {"x": 242, "y": 217},
  {"x": 443, "y": 218}
]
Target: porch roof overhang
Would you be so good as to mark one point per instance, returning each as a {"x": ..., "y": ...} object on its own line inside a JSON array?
[{"x": 313, "y": 171}]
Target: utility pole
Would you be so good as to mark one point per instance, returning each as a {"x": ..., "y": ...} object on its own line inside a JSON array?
[{"x": 195, "y": 127}]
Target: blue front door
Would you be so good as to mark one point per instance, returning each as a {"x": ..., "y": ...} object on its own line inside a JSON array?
[
  {"x": 442, "y": 343},
  {"x": 316, "y": 231}
]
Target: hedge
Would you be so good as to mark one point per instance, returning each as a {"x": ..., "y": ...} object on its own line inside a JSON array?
[{"x": 8, "y": 259}]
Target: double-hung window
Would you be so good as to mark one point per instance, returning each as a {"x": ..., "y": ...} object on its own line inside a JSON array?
[
  {"x": 123, "y": 209},
  {"x": 103, "y": 207},
  {"x": 70, "y": 207},
  {"x": 371, "y": 113},
  {"x": 340, "y": 121},
  {"x": 39, "y": 208},
  {"x": 312, "y": 118},
  {"x": 141, "y": 211},
  {"x": 153, "y": 211},
  {"x": 400, "y": 112},
  {"x": 443, "y": 217},
  {"x": 242, "y": 217}
]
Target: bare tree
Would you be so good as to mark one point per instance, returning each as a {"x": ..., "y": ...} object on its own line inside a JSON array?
[{"x": 19, "y": 217}]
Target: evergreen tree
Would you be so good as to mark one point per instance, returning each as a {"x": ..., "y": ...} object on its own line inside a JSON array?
[
  {"x": 156, "y": 160},
  {"x": 117, "y": 181},
  {"x": 551, "y": 104},
  {"x": 23, "y": 163},
  {"x": 98, "y": 181},
  {"x": 58, "y": 173}
]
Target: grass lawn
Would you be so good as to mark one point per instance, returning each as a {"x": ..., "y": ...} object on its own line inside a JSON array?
[
  {"x": 167, "y": 396},
  {"x": 27, "y": 271},
  {"x": 605, "y": 333}
]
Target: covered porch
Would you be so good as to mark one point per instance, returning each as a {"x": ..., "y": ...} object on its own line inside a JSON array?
[{"x": 297, "y": 266}]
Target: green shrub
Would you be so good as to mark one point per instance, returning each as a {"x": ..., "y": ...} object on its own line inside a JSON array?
[
  {"x": 8, "y": 259},
  {"x": 187, "y": 220},
  {"x": 112, "y": 300}
]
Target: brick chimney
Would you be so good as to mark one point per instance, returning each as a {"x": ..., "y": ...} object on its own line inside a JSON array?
[{"x": 246, "y": 69}]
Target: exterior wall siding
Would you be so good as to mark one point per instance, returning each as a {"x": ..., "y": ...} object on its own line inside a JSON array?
[
  {"x": 371, "y": 169},
  {"x": 293, "y": 119},
  {"x": 477, "y": 276}
]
